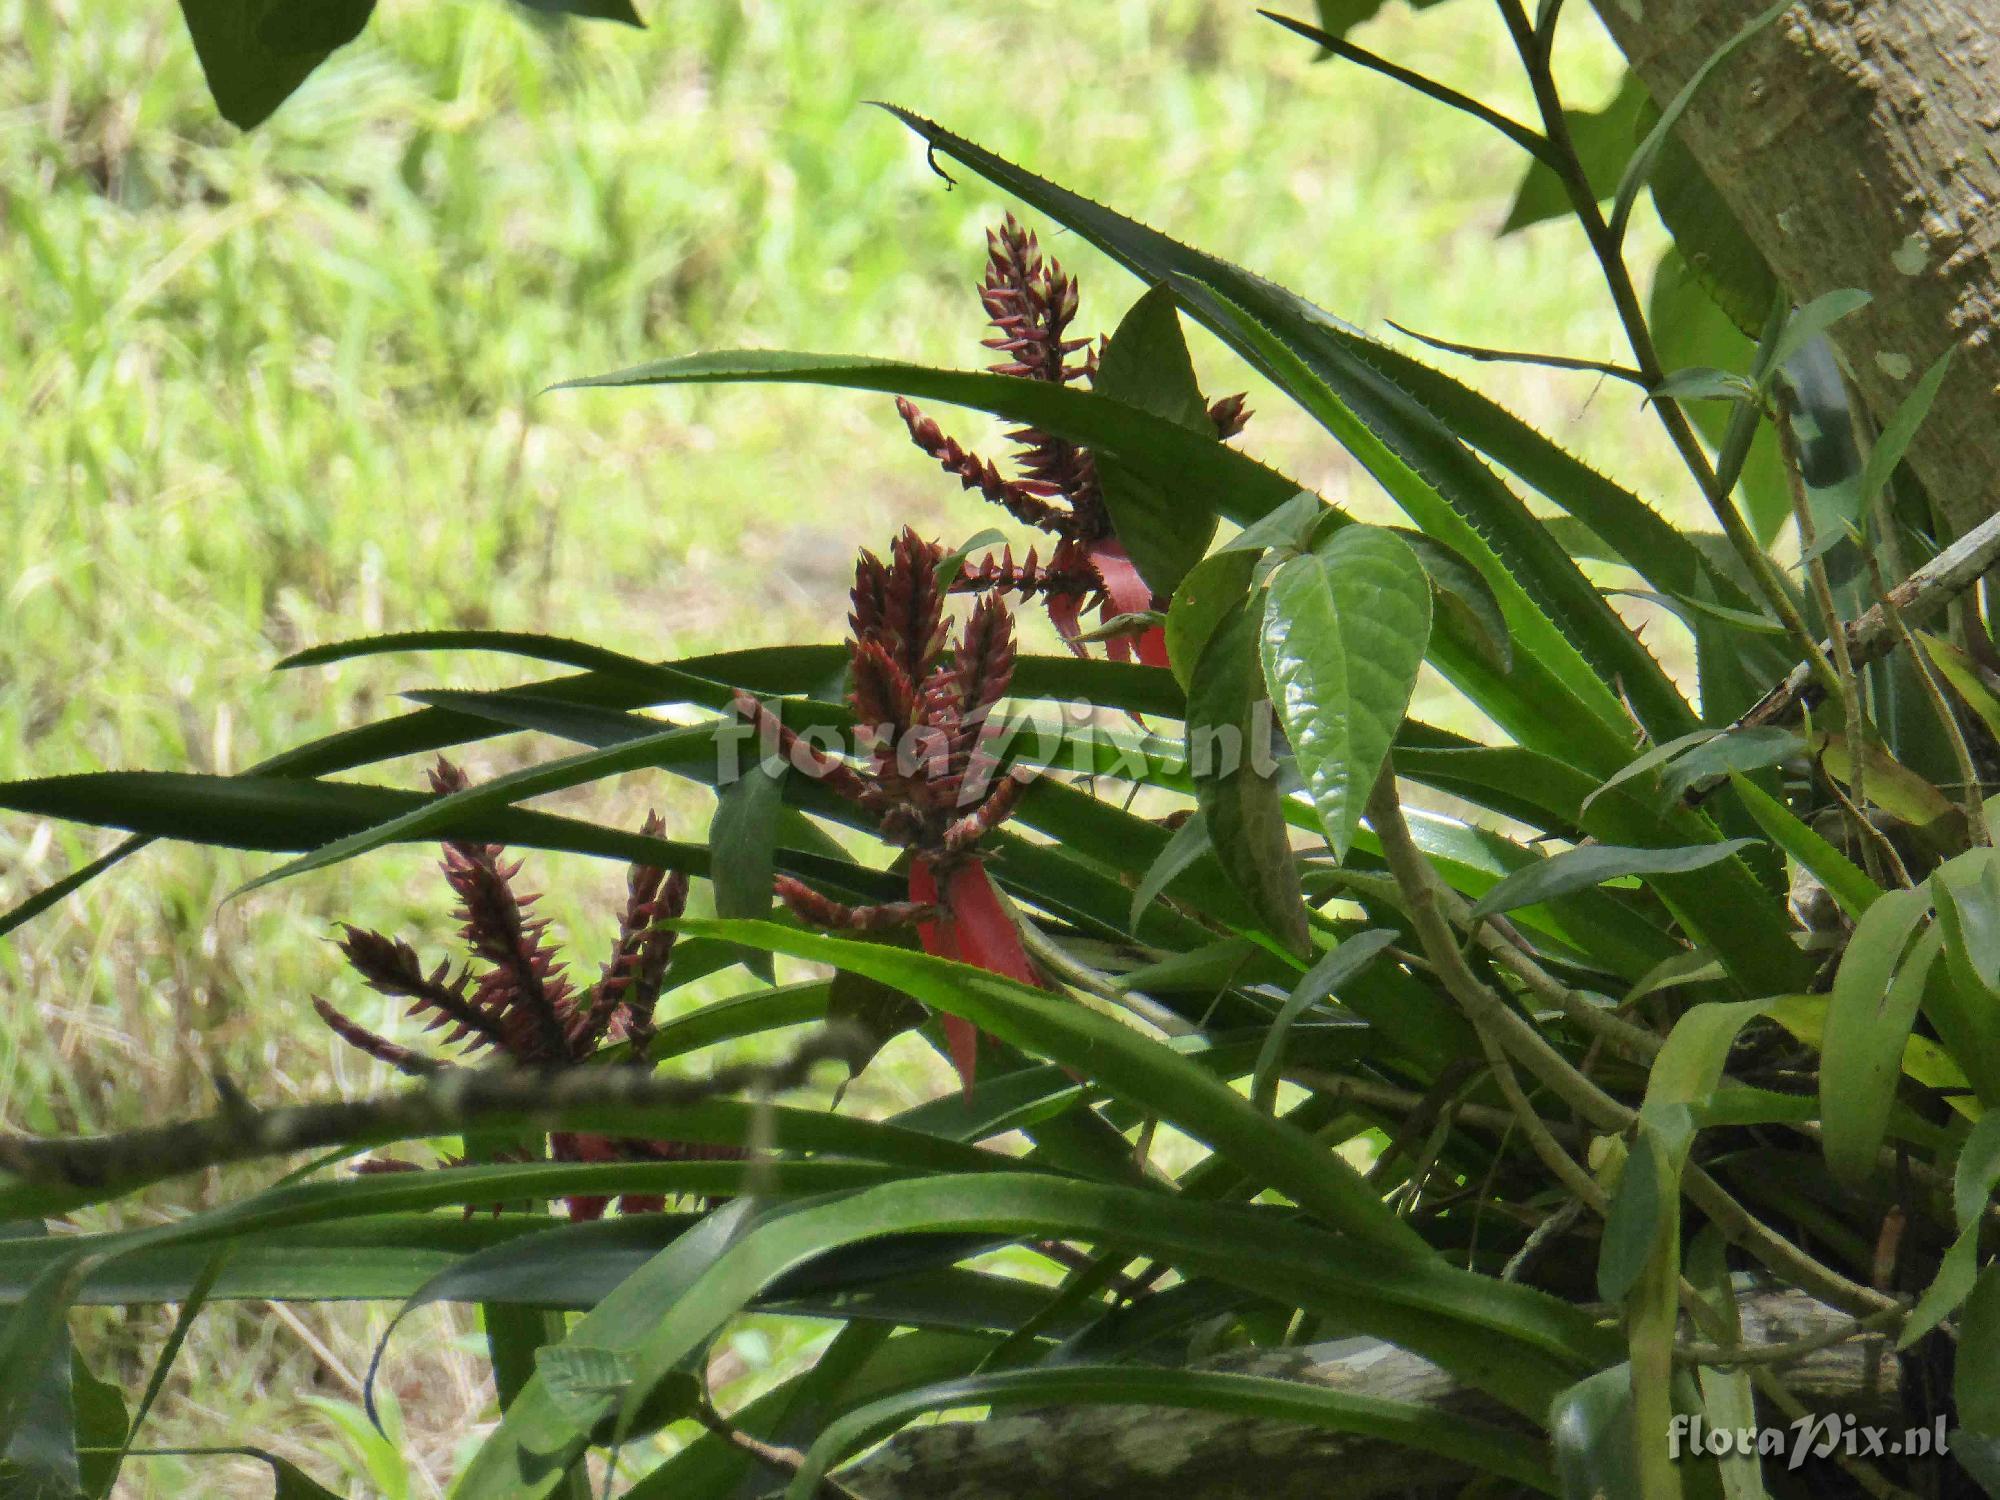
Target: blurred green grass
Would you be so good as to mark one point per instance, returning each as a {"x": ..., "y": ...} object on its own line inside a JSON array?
[{"x": 270, "y": 390}]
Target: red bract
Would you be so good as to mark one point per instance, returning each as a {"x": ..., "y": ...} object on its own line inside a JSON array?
[
  {"x": 1031, "y": 303},
  {"x": 520, "y": 1004},
  {"x": 928, "y": 776}
]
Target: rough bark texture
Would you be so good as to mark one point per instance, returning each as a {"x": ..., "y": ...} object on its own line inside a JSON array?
[
  {"x": 1146, "y": 1453},
  {"x": 1858, "y": 142}
]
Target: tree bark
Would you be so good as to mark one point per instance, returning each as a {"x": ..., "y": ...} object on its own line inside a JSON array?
[
  {"x": 1858, "y": 143},
  {"x": 1145, "y": 1453}
]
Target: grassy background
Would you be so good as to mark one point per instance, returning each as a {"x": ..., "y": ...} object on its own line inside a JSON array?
[{"x": 270, "y": 390}]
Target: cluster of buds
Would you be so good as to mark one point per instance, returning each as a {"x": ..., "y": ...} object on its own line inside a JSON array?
[
  {"x": 922, "y": 705},
  {"x": 512, "y": 999},
  {"x": 1031, "y": 302}
]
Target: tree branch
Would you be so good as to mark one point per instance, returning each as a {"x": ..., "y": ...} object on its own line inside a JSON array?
[
  {"x": 446, "y": 1104},
  {"x": 1873, "y": 634}
]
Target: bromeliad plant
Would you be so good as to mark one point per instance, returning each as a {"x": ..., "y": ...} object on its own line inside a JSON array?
[{"x": 1661, "y": 1014}]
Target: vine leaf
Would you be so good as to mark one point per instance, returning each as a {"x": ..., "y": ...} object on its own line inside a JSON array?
[{"x": 1344, "y": 632}]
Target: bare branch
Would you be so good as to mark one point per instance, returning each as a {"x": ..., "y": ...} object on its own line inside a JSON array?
[
  {"x": 1873, "y": 634},
  {"x": 446, "y": 1104}
]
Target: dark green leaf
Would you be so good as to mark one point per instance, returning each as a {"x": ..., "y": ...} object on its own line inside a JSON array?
[
  {"x": 1901, "y": 428},
  {"x": 742, "y": 844},
  {"x": 1189, "y": 843},
  {"x": 1162, "y": 450},
  {"x": 1704, "y": 384},
  {"x": 1640, "y": 166},
  {"x": 1812, "y": 320},
  {"x": 1708, "y": 239},
  {"x": 1338, "y": 965},
  {"x": 1550, "y": 605},
  {"x": 1632, "y": 1230},
  {"x": 1166, "y": 527},
  {"x": 1603, "y": 139},
  {"x": 1291, "y": 526},
  {"x": 254, "y": 53},
  {"x": 35, "y": 1334},
  {"x": 1593, "y": 864},
  {"x": 1344, "y": 632},
  {"x": 1214, "y": 587},
  {"x": 1975, "y": 1385},
  {"x": 1231, "y": 736},
  {"x": 101, "y": 1428},
  {"x": 1875, "y": 997},
  {"x": 1597, "y": 1450},
  {"x": 1842, "y": 878},
  {"x": 1736, "y": 751},
  {"x": 1973, "y": 1182},
  {"x": 1263, "y": 1398},
  {"x": 1465, "y": 595},
  {"x": 595, "y": 10}
]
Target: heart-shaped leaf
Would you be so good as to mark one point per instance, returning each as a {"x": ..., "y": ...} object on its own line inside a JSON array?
[{"x": 1344, "y": 632}]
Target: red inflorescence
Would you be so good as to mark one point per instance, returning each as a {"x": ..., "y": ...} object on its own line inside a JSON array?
[
  {"x": 520, "y": 1004},
  {"x": 928, "y": 775},
  {"x": 1031, "y": 302}
]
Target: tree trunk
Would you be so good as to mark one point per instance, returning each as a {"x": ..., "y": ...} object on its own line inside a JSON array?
[{"x": 1858, "y": 143}]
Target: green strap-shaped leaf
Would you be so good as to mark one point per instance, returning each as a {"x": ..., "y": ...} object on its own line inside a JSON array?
[
  {"x": 1594, "y": 864},
  {"x": 1157, "y": 446},
  {"x": 1475, "y": 1444},
  {"x": 1901, "y": 429},
  {"x": 1973, "y": 1182},
  {"x": 1640, "y": 166},
  {"x": 1344, "y": 632},
  {"x": 1842, "y": 878},
  {"x": 1503, "y": 1338},
  {"x": 1322, "y": 980},
  {"x": 743, "y": 847},
  {"x": 1121, "y": 1061},
  {"x": 1875, "y": 997}
]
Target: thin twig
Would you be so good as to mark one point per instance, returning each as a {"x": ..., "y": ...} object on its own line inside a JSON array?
[
  {"x": 1729, "y": 1356},
  {"x": 1420, "y": 885},
  {"x": 446, "y": 1104},
  {"x": 1873, "y": 635},
  {"x": 1521, "y": 135}
]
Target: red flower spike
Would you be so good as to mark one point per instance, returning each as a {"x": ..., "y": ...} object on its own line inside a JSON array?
[
  {"x": 401, "y": 1058},
  {"x": 927, "y": 777},
  {"x": 815, "y": 910},
  {"x": 1031, "y": 302},
  {"x": 522, "y": 1006}
]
